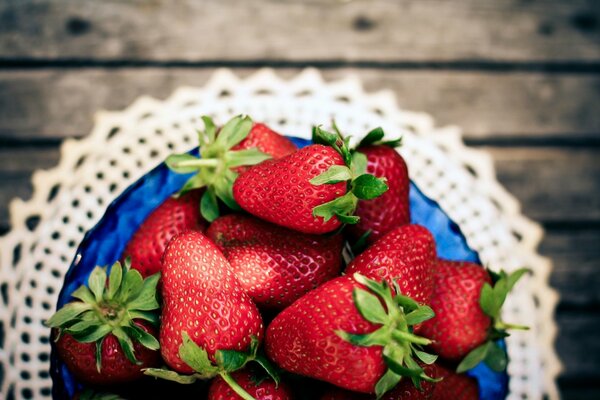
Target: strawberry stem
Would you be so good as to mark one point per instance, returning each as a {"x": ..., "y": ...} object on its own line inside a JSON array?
[{"x": 236, "y": 386}]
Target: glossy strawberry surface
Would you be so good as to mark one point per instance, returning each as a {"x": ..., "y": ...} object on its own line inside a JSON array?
[
  {"x": 202, "y": 297},
  {"x": 460, "y": 324},
  {"x": 149, "y": 242},
  {"x": 279, "y": 191},
  {"x": 275, "y": 265},
  {"x": 391, "y": 209},
  {"x": 80, "y": 358},
  {"x": 259, "y": 388},
  {"x": 454, "y": 386},
  {"x": 302, "y": 338},
  {"x": 405, "y": 255},
  {"x": 266, "y": 140}
]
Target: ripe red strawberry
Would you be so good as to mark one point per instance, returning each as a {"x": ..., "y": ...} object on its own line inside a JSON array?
[
  {"x": 202, "y": 298},
  {"x": 454, "y": 386},
  {"x": 274, "y": 265},
  {"x": 259, "y": 387},
  {"x": 266, "y": 140},
  {"x": 105, "y": 337},
  {"x": 406, "y": 256},
  {"x": 391, "y": 209},
  {"x": 149, "y": 242},
  {"x": 467, "y": 311},
  {"x": 342, "y": 334},
  {"x": 224, "y": 153},
  {"x": 307, "y": 191}
]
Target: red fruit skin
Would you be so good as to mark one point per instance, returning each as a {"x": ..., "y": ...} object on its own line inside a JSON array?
[
  {"x": 149, "y": 242},
  {"x": 201, "y": 296},
  {"x": 275, "y": 266},
  {"x": 80, "y": 359},
  {"x": 459, "y": 324},
  {"x": 265, "y": 390},
  {"x": 407, "y": 255},
  {"x": 279, "y": 191},
  {"x": 266, "y": 140},
  {"x": 455, "y": 386},
  {"x": 302, "y": 338},
  {"x": 406, "y": 390},
  {"x": 391, "y": 209}
]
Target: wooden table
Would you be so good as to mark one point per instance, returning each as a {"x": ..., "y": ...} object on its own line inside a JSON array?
[{"x": 521, "y": 77}]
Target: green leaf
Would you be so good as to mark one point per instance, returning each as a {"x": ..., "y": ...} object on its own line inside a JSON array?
[
  {"x": 347, "y": 219},
  {"x": 387, "y": 382},
  {"x": 196, "y": 357},
  {"x": 67, "y": 314},
  {"x": 361, "y": 244},
  {"x": 496, "y": 357},
  {"x": 169, "y": 375},
  {"x": 245, "y": 157},
  {"x": 421, "y": 314},
  {"x": 268, "y": 367},
  {"x": 369, "y": 306},
  {"x": 487, "y": 301},
  {"x": 84, "y": 294},
  {"x": 231, "y": 360},
  {"x": 406, "y": 303},
  {"x": 344, "y": 205},
  {"x": 514, "y": 277},
  {"x": 210, "y": 130},
  {"x": 182, "y": 163},
  {"x": 380, "y": 289},
  {"x": 89, "y": 394},
  {"x": 476, "y": 356},
  {"x": 151, "y": 317},
  {"x": 368, "y": 187},
  {"x": 146, "y": 298},
  {"x": 321, "y": 136},
  {"x": 359, "y": 163},
  {"x": 373, "y": 136},
  {"x": 426, "y": 357},
  {"x": 98, "y": 354},
  {"x": 92, "y": 334},
  {"x": 97, "y": 282},
  {"x": 224, "y": 190},
  {"x": 114, "y": 280},
  {"x": 132, "y": 286},
  {"x": 126, "y": 344},
  {"x": 141, "y": 336},
  {"x": 209, "y": 208},
  {"x": 380, "y": 337},
  {"x": 335, "y": 174},
  {"x": 195, "y": 182},
  {"x": 400, "y": 369},
  {"x": 392, "y": 143},
  {"x": 83, "y": 325},
  {"x": 233, "y": 132}
]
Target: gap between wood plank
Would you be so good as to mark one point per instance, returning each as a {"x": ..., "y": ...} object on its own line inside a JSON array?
[{"x": 571, "y": 67}]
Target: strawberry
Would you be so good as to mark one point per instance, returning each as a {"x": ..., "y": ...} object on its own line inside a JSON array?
[
  {"x": 259, "y": 387},
  {"x": 107, "y": 336},
  {"x": 467, "y": 309},
  {"x": 391, "y": 209},
  {"x": 405, "y": 256},
  {"x": 149, "y": 242},
  {"x": 454, "y": 386},
  {"x": 341, "y": 333},
  {"x": 274, "y": 265},
  {"x": 266, "y": 140},
  {"x": 223, "y": 152},
  {"x": 209, "y": 325},
  {"x": 312, "y": 190}
]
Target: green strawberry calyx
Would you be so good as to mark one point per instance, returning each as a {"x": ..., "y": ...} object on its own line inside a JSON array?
[
  {"x": 110, "y": 304},
  {"x": 226, "y": 362},
  {"x": 375, "y": 137},
  {"x": 491, "y": 300},
  {"x": 214, "y": 168},
  {"x": 361, "y": 185},
  {"x": 397, "y": 315}
]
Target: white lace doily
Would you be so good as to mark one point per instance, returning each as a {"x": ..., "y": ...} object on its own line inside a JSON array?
[{"x": 69, "y": 199}]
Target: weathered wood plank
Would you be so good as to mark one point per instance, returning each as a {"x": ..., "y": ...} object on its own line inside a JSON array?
[
  {"x": 61, "y": 103},
  {"x": 383, "y": 30},
  {"x": 578, "y": 346}
]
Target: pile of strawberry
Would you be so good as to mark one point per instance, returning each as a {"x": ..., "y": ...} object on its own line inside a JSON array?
[{"x": 239, "y": 280}]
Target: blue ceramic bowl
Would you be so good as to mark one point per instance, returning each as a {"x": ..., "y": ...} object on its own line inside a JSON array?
[{"x": 104, "y": 243}]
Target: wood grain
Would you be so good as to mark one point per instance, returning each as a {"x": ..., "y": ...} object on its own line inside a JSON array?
[
  {"x": 58, "y": 103},
  {"x": 382, "y": 30}
]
